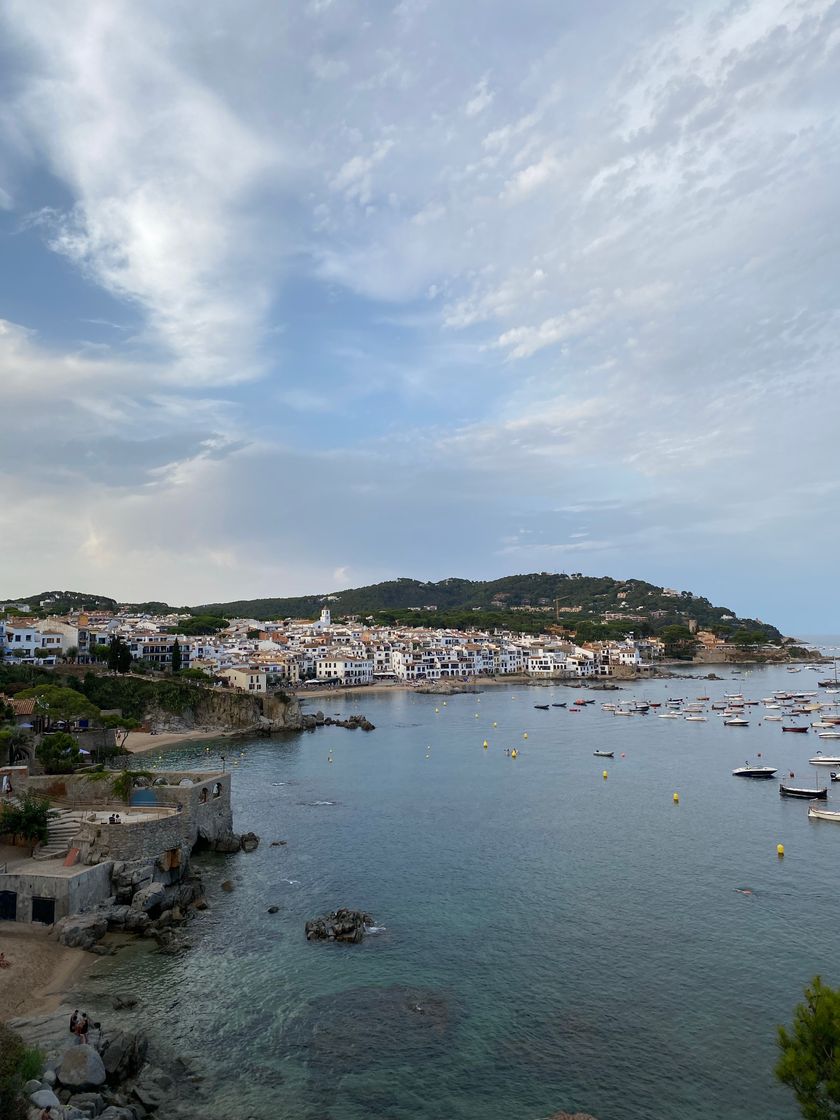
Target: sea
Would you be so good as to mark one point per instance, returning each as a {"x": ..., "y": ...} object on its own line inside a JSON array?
[{"x": 552, "y": 931}]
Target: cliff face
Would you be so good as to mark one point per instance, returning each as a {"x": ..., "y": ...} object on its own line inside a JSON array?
[{"x": 226, "y": 710}]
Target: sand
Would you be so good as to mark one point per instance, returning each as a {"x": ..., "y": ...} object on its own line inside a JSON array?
[
  {"x": 40, "y": 970},
  {"x": 141, "y": 742}
]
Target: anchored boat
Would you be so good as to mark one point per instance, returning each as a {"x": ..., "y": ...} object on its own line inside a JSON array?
[
  {"x": 748, "y": 771},
  {"x": 810, "y": 792},
  {"x": 817, "y": 813}
]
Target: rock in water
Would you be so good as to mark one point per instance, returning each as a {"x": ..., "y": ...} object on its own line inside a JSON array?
[
  {"x": 81, "y": 1068},
  {"x": 152, "y": 1087},
  {"x": 340, "y": 925},
  {"x": 249, "y": 842},
  {"x": 123, "y": 1054}
]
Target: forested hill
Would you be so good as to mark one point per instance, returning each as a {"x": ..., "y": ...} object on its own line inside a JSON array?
[{"x": 564, "y": 597}]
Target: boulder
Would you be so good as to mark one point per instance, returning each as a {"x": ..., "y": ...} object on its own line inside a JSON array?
[
  {"x": 81, "y": 1068},
  {"x": 152, "y": 1087},
  {"x": 88, "y": 1104},
  {"x": 82, "y": 931},
  {"x": 137, "y": 922},
  {"x": 117, "y": 1112},
  {"x": 340, "y": 925},
  {"x": 31, "y": 1087},
  {"x": 273, "y": 909},
  {"x": 147, "y": 898},
  {"x": 228, "y": 842},
  {"x": 43, "y": 1097},
  {"x": 227, "y": 885},
  {"x": 123, "y": 1054},
  {"x": 249, "y": 842}
]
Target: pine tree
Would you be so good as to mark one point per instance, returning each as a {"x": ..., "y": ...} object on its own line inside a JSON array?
[
  {"x": 810, "y": 1061},
  {"x": 176, "y": 657}
]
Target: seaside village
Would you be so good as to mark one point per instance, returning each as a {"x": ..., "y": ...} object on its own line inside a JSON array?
[{"x": 254, "y": 656}]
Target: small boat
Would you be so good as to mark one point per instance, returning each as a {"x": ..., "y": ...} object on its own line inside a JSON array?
[
  {"x": 773, "y": 719},
  {"x": 819, "y": 793},
  {"x": 817, "y": 813},
  {"x": 800, "y": 730},
  {"x": 668, "y": 715},
  {"x": 835, "y": 777},
  {"x": 736, "y": 721},
  {"x": 702, "y": 697},
  {"x": 696, "y": 719},
  {"x": 825, "y": 760},
  {"x": 829, "y": 734},
  {"x": 558, "y": 705},
  {"x": 623, "y": 712},
  {"x": 604, "y": 754},
  {"x": 748, "y": 771},
  {"x": 541, "y": 707}
]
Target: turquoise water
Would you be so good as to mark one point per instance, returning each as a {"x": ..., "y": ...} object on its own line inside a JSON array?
[{"x": 552, "y": 940}]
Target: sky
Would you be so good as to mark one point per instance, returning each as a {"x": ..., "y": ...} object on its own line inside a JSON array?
[{"x": 306, "y": 296}]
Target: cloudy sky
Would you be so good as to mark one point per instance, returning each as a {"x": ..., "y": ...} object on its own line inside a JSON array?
[{"x": 298, "y": 297}]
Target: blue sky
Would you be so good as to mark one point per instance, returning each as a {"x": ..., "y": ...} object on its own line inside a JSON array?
[{"x": 297, "y": 297}]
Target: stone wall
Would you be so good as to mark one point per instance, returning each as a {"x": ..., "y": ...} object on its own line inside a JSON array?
[
  {"x": 206, "y": 802},
  {"x": 133, "y": 840}
]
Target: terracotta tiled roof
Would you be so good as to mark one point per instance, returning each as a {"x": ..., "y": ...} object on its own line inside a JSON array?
[{"x": 20, "y": 707}]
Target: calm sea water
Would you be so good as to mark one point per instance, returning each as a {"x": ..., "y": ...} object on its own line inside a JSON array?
[{"x": 553, "y": 940}]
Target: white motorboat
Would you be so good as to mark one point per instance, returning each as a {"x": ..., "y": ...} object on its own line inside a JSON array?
[
  {"x": 825, "y": 760},
  {"x": 829, "y": 735},
  {"x": 773, "y": 719},
  {"x": 748, "y": 771},
  {"x": 668, "y": 715},
  {"x": 818, "y": 813},
  {"x": 702, "y": 719},
  {"x": 737, "y": 721}
]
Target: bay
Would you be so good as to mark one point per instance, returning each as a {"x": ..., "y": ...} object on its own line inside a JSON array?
[{"x": 552, "y": 939}]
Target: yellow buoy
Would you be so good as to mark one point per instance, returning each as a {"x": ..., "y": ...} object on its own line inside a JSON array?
[
  {"x": 514, "y": 753},
  {"x": 604, "y": 774},
  {"x": 676, "y": 799},
  {"x": 780, "y": 850},
  {"x": 524, "y": 734},
  {"x": 495, "y": 725},
  {"x": 485, "y": 744}
]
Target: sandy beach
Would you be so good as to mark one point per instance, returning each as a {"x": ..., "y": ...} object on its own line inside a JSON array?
[
  {"x": 142, "y": 742},
  {"x": 40, "y": 970}
]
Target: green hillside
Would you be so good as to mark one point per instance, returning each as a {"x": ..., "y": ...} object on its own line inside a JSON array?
[{"x": 535, "y": 599}]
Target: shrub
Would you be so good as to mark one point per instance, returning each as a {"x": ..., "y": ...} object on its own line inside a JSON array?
[
  {"x": 58, "y": 753},
  {"x": 18, "y": 1064},
  {"x": 27, "y": 818}
]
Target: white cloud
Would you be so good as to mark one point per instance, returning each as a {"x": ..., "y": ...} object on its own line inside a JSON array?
[{"x": 482, "y": 98}]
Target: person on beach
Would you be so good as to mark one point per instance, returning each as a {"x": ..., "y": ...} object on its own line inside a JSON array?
[
  {"x": 3, "y": 962},
  {"x": 74, "y": 1021},
  {"x": 82, "y": 1026}
]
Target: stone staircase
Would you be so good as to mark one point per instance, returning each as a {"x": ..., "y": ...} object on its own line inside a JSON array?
[{"x": 64, "y": 824}]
